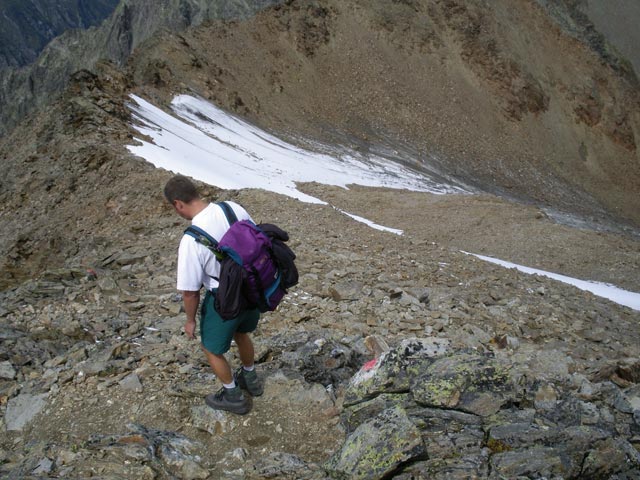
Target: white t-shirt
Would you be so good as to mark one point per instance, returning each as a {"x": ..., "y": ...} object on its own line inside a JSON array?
[{"x": 196, "y": 264}]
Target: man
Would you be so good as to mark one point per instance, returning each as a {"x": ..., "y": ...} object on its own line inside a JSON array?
[{"x": 198, "y": 267}]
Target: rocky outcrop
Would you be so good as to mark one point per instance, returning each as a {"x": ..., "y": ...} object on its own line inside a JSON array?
[
  {"x": 479, "y": 416},
  {"x": 603, "y": 32}
]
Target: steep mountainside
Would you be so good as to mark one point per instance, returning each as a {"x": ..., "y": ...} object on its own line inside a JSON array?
[
  {"x": 525, "y": 100},
  {"x": 491, "y": 96},
  {"x": 495, "y": 93},
  {"x": 26, "y": 26}
]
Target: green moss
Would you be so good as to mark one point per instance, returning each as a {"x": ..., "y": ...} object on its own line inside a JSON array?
[{"x": 496, "y": 446}]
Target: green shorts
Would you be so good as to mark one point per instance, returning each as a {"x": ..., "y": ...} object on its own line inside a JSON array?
[{"x": 215, "y": 333}]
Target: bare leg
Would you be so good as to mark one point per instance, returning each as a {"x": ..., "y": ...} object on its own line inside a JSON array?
[
  {"x": 220, "y": 366},
  {"x": 245, "y": 348}
]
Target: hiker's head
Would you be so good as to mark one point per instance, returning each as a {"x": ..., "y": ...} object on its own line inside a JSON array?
[{"x": 183, "y": 195}]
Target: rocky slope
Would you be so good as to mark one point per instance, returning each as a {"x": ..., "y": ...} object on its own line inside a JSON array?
[
  {"x": 395, "y": 357},
  {"x": 27, "y": 26},
  {"x": 525, "y": 100},
  {"x": 479, "y": 371},
  {"x": 596, "y": 19}
]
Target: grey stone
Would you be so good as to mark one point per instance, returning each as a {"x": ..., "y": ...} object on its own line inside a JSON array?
[
  {"x": 616, "y": 398},
  {"x": 77, "y": 355},
  {"x": 535, "y": 462},
  {"x": 407, "y": 300},
  {"x": 137, "y": 451},
  {"x": 553, "y": 364},
  {"x": 451, "y": 436},
  {"x": 610, "y": 456},
  {"x": 22, "y": 409},
  {"x": 518, "y": 435},
  {"x": 393, "y": 370},
  {"x": 183, "y": 464},
  {"x": 92, "y": 367},
  {"x": 471, "y": 383},
  {"x": 580, "y": 438},
  {"x": 7, "y": 372},
  {"x": 45, "y": 466},
  {"x": 354, "y": 416},
  {"x": 108, "y": 285},
  {"x": 8, "y": 333},
  {"x": 588, "y": 390},
  {"x": 216, "y": 422},
  {"x": 636, "y": 417},
  {"x": 128, "y": 258},
  {"x": 346, "y": 291},
  {"x": 378, "y": 446},
  {"x": 632, "y": 395},
  {"x": 279, "y": 464},
  {"x": 590, "y": 414},
  {"x": 131, "y": 383}
]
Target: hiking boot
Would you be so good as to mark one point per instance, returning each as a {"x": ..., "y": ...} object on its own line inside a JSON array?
[
  {"x": 249, "y": 381},
  {"x": 229, "y": 399}
]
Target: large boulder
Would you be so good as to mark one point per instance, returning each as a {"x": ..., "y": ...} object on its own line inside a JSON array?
[
  {"x": 22, "y": 409},
  {"x": 378, "y": 447}
]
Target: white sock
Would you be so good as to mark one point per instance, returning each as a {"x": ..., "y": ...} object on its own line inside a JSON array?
[
  {"x": 230, "y": 385},
  {"x": 249, "y": 369}
]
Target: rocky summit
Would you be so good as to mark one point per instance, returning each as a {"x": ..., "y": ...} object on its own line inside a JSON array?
[{"x": 396, "y": 356}]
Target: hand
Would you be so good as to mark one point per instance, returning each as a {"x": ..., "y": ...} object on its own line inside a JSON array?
[{"x": 189, "y": 329}]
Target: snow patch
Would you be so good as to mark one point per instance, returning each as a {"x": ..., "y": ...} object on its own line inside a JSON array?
[
  {"x": 205, "y": 142},
  {"x": 611, "y": 292}
]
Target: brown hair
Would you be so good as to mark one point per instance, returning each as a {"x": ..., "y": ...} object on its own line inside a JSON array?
[{"x": 180, "y": 188}]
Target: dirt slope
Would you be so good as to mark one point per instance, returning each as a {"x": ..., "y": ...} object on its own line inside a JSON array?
[{"x": 494, "y": 93}]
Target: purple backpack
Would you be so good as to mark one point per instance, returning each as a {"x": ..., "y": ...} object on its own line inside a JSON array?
[{"x": 249, "y": 273}]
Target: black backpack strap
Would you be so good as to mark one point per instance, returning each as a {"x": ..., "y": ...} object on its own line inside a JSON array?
[
  {"x": 205, "y": 239},
  {"x": 228, "y": 212}
]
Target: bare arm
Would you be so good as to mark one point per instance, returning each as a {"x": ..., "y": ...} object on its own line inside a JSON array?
[{"x": 191, "y": 303}]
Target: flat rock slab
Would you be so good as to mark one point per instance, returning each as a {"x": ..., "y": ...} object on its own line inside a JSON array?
[
  {"x": 471, "y": 383},
  {"x": 22, "y": 409},
  {"x": 7, "y": 372}
]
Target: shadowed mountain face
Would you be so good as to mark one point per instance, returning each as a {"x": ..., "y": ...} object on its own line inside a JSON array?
[
  {"x": 25, "y": 90},
  {"x": 26, "y": 26}
]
